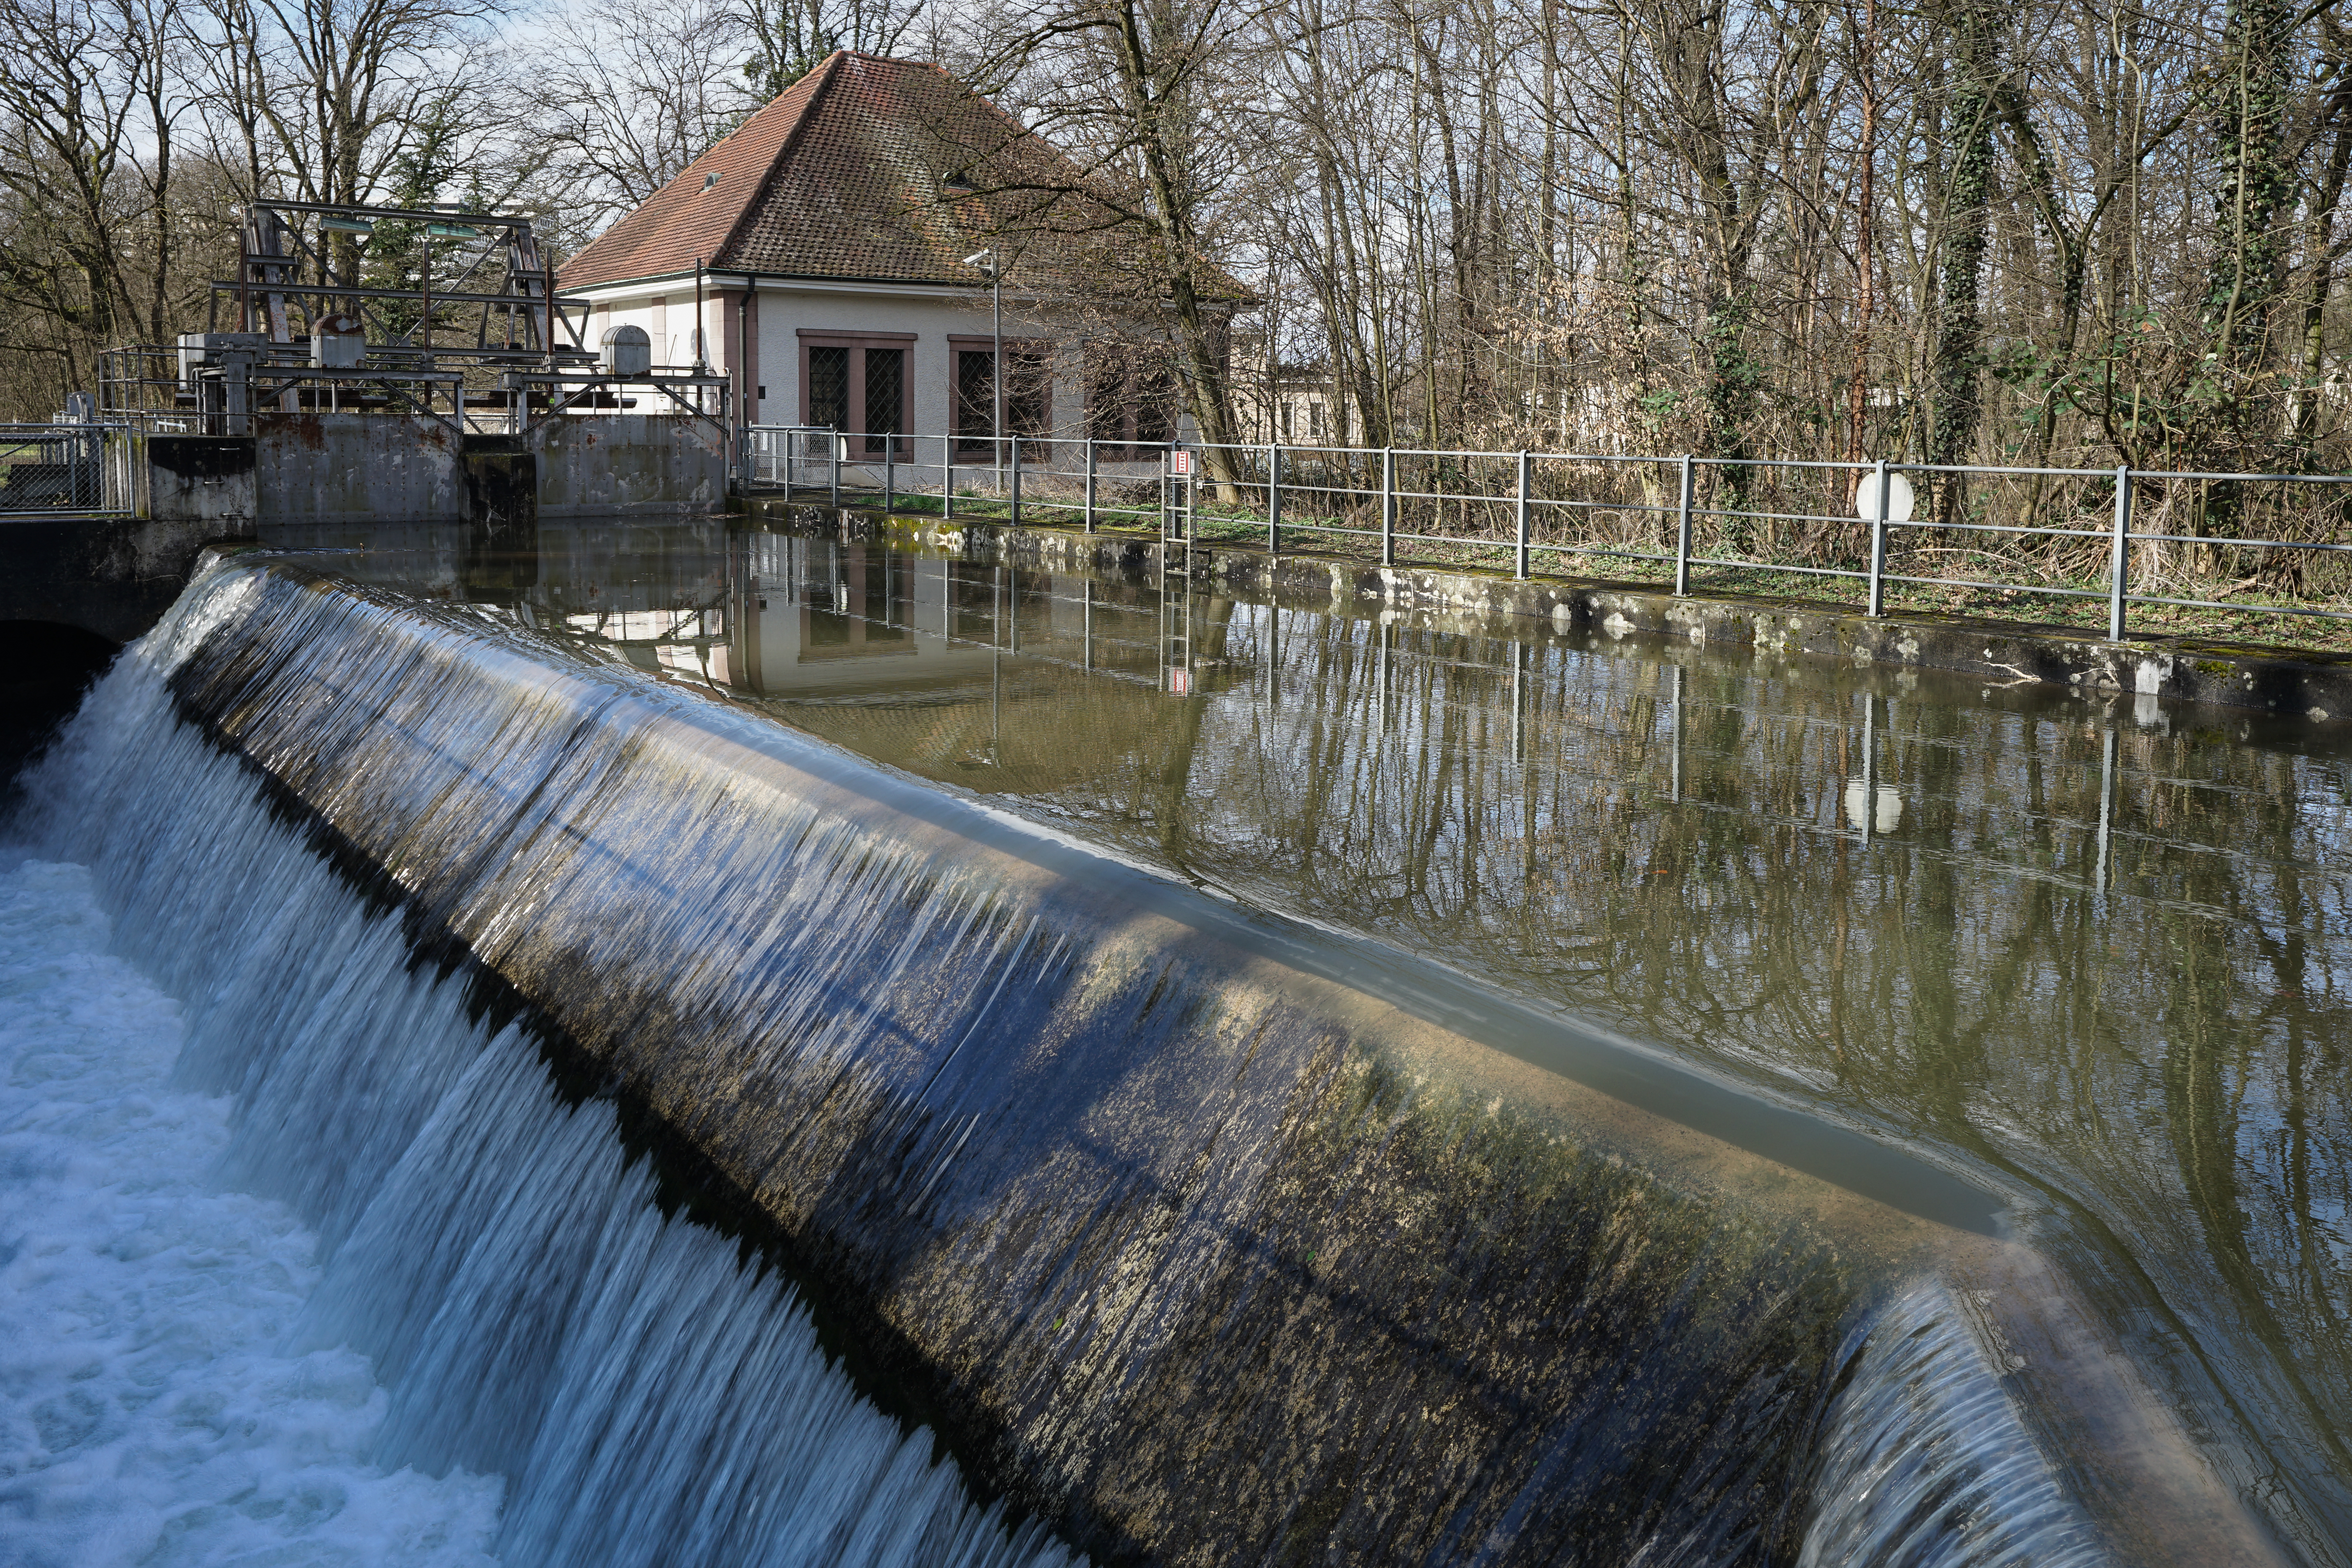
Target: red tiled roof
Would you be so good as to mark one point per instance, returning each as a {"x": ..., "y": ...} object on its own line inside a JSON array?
[
  {"x": 846, "y": 176},
  {"x": 690, "y": 218}
]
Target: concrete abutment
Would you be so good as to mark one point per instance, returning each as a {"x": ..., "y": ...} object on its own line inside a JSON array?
[{"x": 112, "y": 573}]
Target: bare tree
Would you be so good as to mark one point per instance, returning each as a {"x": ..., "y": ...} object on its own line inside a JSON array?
[
  {"x": 1133, "y": 87},
  {"x": 629, "y": 96},
  {"x": 322, "y": 97},
  {"x": 90, "y": 111},
  {"x": 790, "y": 36}
]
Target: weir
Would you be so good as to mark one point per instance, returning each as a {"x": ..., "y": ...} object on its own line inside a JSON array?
[{"x": 745, "y": 1152}]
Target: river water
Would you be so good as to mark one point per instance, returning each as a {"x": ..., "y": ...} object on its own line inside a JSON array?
[
  {"x": 2086, "y": 957},
  {"x": 2103, "y": 948}
]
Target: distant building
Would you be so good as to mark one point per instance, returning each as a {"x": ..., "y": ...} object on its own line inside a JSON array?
[
  {"x": 828, "y": 238},
  {"x": 1293, "y": 405}
]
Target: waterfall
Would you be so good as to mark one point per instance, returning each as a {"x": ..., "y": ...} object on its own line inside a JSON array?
[
  {"x": 491, "y": 1250},
  {"x": 1927, "y": 1462},
  {"x": 602, "y": 1044}
]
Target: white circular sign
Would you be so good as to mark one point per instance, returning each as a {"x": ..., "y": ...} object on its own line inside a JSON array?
[{"x": 1898, "y": 497}]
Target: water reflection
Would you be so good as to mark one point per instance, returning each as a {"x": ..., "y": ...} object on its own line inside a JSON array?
[{"x": 2100, "y": 948}]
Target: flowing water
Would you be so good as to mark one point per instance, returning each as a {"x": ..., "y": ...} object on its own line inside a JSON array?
[
  {"x": 709, "y": 1046},
  {"x": 319, "y": 1264}
]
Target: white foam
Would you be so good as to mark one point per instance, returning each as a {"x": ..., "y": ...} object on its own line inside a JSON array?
[
  {"x": 146, "y": 1413},
  {"x": 646, "y": 1394}
]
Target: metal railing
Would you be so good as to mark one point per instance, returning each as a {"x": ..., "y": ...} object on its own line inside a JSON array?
[
  {"x": 1101, "y": 481},
  {"x": 178, "y": 390},
  {"x": 66, "y": 468},
  {"x": 791, "y": 457},
  {"x": 2101, "y": 540}
]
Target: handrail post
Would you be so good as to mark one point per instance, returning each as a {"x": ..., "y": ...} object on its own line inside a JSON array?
[
  {"x": 1519, "y": 507},
  {"x": 2119, "y": 553},
  {"x": 1273, "y": 499},
  {"x": 1091, "y": 489},
  {"x": 1878, "y": 539},
  {"x": 889, "y": 475},
  {"x": 1016, "y": 481},
  {"x": 1388, "y": 506},
  {"x": 947, "y": 477},
  {"x": 1682, "y": 535},
  {"x": 832, "y": 439}
]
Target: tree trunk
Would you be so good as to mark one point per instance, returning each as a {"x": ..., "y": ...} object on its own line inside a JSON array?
[{"x": 1968, "y": 193}]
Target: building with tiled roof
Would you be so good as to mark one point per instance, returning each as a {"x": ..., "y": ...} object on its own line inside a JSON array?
[{"x": 826, "y": 245}]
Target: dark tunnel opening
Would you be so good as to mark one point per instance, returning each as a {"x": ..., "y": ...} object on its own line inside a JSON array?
[{"x": 45, "y": 670}]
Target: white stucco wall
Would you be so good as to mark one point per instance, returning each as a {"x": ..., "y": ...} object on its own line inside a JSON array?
[
  {"x": 785, "y": 308},
  {"x": 785, "y": 313}
]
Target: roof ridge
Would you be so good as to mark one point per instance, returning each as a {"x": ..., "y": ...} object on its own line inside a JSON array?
[
  {"x": 825, "y": 71},
  {"x": 846, "y": 175},
  {"x": 620, "y": 251}
]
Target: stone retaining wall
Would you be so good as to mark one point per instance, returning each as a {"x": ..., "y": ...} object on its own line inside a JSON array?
[{"x": 2288, "y": 681}]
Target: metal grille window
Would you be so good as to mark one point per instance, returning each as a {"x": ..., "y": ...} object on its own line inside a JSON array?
[
  {"x": 975, "y": 396},
  {"x": 829, "y": 387},
  {"x": 1028, "y": 390},
  {"x": 1108, "y": 418},
  {"x": 1130, "y": 396},
  {"x": 886, "y": 396},
  {"x": 859, "y": 385},
  {"x": 1155, "y": 407}
]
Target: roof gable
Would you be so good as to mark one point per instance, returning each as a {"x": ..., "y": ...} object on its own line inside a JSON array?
[
  {"x": 689, "y": 219},
  {"x": 847, "y": 176},
  {"x": 864, "y": 192}
]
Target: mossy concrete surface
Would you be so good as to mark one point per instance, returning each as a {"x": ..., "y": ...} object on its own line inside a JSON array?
[{"x": 2315, "y": 685}]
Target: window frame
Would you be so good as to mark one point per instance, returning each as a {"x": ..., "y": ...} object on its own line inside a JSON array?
[
  {"x": 863, "y": 444},
  {"x": 961, "y": 343},
  {"x": 1136, "y": 371}
]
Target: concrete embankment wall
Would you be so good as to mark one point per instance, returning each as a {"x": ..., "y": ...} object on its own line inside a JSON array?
[
  {"x": 2291, "y": 682},
  {"x": 113, "y": 573},
  {"x": 380, "y": 469}
]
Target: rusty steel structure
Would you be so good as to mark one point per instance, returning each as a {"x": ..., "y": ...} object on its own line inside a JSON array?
[
  {"x": 470, "y": 332},
  {"x": 491, "y": 264}
]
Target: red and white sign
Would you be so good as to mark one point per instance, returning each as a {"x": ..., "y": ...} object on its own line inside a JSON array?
[
  {"x": 1179, "y": 681},
  {"x": 1180, "y": 462}
]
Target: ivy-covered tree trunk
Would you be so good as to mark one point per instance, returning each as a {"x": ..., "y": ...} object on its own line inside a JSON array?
[
  {"x": 2255, "y": 196},
  {"x": 2312, "y": 351},
  {"x": 1968, "y": 185},
  {"x": 2257, "y": 187},
  {"x": 1727, "y": 367},
  {"x": 1733, "y": 378}
]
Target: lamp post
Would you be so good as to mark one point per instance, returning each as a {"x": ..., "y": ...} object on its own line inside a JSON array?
[{"x": 987, "y": 260}]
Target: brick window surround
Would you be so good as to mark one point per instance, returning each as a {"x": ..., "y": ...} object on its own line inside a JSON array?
[{"x": 834, "y": 367}]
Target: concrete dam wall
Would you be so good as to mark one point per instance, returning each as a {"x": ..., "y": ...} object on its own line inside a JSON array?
[
  {"x": 113, "y": 574},
  {"x": 709, "y": 1129}
]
